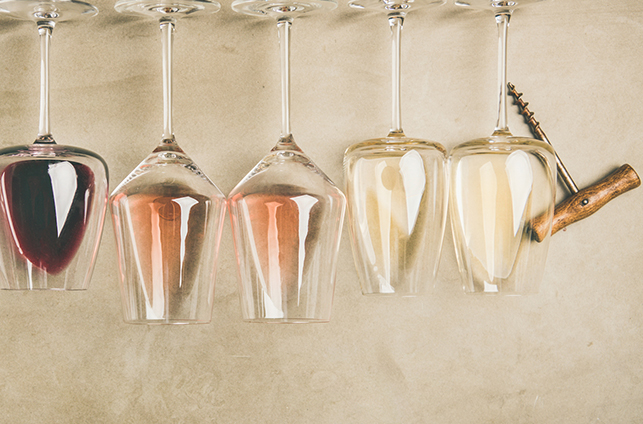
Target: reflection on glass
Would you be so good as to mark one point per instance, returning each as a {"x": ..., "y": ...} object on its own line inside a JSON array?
[
  {"x": 397, "y": 207},
  {"x": 495, "y": 196}
]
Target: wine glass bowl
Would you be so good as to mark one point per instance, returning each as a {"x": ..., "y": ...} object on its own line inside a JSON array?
[
  {"x": 52, "y": 207},
  {"x": 396, "y": 190},
  {"x": 284, "y": 215},
  {"x": 498, "y": 185},
  {"x": 53, "y": 197},
  {"x": 167, "y": 218},
  {"x": 167, "y": 214}
]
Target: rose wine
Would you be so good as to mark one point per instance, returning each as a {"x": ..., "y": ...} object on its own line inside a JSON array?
[
  {"x": 284, "y": 230},
  {"x": 282, "y": 242},
  {"x": 166, "y": 232},
  {"x": 47, "y": 205}
]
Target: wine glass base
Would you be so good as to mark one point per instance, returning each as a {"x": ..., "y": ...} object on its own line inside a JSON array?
[
  {"x": 167, "y": 8},
  {"x": 47, "y": 10},
  {"x": 499, "y": 6},
  {"x": 394, "y": 5},
  {"x": 281, "y": 8}
]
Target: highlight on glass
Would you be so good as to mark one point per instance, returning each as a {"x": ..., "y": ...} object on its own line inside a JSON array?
[
  {"x": 53, "y": 197},
  {"x": 286, "y": 214},
  {"x": 498, "y": 186},
  {"x": 397, "y": 191},
  {"x": 167, "y": 214}
]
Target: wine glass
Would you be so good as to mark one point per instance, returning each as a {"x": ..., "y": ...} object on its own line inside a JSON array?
[
  {"x": 167, "y": 214},
  {"x": 286, "y": 214},
  {"x": 498, "y": 185},
  {"x": 396, "y": 190},
  {"x": 53, "y": 198}
]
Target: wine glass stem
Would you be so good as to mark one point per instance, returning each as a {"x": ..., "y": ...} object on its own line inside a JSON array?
[
  {"x": 396, "y": 22},
  {"x": 502, "y": 20},
  {"x": 45, "y": 28},
  {"x": 167, "y": 35},
  {"x": 284, "y": 46}
]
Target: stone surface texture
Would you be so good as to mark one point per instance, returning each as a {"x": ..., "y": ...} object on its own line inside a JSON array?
[{"x": 571, "y": 354}]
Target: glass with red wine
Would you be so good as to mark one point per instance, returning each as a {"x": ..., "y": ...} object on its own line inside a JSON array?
[{"x": 53, "y": 198}]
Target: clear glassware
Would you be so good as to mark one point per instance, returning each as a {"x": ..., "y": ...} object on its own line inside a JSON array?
[
  {"x": 498, "y": 184},
  {"x": 53, "y": 198},
  {"x": 397, "y": 191},
  {"x": 286, "y": 214},
  {"x": 167, "y": 214}
]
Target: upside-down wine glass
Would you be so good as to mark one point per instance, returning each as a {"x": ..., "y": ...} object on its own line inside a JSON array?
[
  {"x": 396, "y": 190},
  {"x": 52, "y": 197},
  {"x": 167, "y": 214},
  {"x": 498, "y": 185},
  {"x": 286, "y": 214}
]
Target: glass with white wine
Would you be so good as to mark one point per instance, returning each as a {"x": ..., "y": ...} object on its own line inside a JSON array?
[
  {"x": 397, "y": 192},
  {"x": 498, "y": 185}
]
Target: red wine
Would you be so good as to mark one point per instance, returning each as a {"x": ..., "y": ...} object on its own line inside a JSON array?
[{"x": 47, "y": 205}]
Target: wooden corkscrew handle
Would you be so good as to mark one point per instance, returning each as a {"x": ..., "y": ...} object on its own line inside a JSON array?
[{"x": 587, "y": 201}]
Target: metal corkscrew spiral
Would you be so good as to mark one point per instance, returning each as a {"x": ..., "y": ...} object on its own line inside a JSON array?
[{"x": 540, "y": 134}]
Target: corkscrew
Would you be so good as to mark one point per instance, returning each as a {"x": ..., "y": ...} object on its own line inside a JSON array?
[{"x": 581, "y": 203}]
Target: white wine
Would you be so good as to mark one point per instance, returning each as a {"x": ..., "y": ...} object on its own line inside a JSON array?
[
  {"x": 494, "y": 196},
  {"x": 397, "y": 208}
]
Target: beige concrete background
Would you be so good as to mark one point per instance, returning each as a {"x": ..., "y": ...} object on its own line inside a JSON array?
[{"x": 571, "y": 354}]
